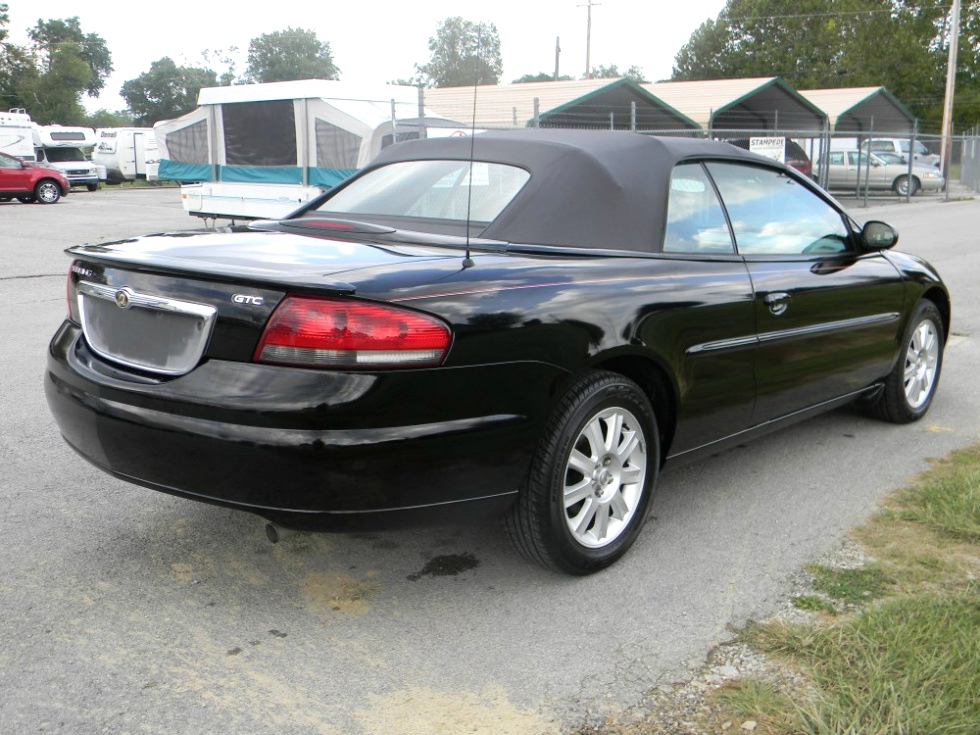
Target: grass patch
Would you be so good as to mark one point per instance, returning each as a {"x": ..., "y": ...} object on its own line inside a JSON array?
[
  {"x": 852, "y": 586},
  {"x": 907, "y": 660},
  {"x": 813, "y": 603}
]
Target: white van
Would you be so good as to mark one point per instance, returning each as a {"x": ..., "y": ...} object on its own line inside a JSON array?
[{"x": 922, "y": 155}]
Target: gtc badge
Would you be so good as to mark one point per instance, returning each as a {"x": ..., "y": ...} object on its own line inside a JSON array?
[
  {"x": 122, "y": 299},
  {"x": 241, "y": 298}
]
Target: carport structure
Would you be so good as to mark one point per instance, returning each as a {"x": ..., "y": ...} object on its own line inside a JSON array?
[
  {"x": 862, "y": 110},
  {"x": 619, "y": 104},
  {"x": 755, "y": 105}
]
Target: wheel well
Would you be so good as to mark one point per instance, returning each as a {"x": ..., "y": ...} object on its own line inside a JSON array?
[
  {"x": 941, "y": 300},
  {"x": 657, "y": 386}
]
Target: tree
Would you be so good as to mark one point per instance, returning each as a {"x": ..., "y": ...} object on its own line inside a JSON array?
[
  {"x": 826, "y": 43},
  {"x": 289, "y": 54},
  {"x": 463, "y": 53},
  {"x": 49, "y": 76},
  {"x": 165, "y": 91},
  {"x": 635, "y": 74},
  {"x": 605, "y": 72},
  {"x": 106, "y": 119},
  {"x": 541, "y": 77}
]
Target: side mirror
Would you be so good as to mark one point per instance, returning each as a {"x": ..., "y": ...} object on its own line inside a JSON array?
[{"x": 878, "y": 235}]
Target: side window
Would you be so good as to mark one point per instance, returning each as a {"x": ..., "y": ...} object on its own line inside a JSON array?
[
  {"x": 881, "y": 145},
  {"x": 837, "y": 159},
  {"x": 773, "y": 214},
  {"x": 695, "y": 220}
]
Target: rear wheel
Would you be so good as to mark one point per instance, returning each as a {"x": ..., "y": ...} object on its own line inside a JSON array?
[
  {"x": 92, "y": 187},
  {"x": 911, "y": 385},
  {"x": 47, "y": 192},
  {"x": 589, "y": 490},
  {"x": 904, "y": 188}
]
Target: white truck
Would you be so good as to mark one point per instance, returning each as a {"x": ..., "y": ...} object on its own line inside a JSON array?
[
  {"x": 127, "y": 153},
  {"x": 259, "y": 151},
  {"x": 60, "y": 147}
]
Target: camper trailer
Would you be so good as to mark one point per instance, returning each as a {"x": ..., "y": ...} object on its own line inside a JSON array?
[
  {"x": 17, "y": 134},
  {"x": 261, "y": 150},
  {"x": 127, "y": 153},
  {"x": 60, "y": 147}
]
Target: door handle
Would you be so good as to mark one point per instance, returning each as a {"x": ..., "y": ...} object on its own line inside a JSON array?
[{"x": 777, "y": 302}]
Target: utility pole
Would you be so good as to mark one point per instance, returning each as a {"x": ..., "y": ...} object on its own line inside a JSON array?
[
  {"x": 954, "y": 37},
  {"x": 588, "y": 39},
  {"x": 557, "y": 54}
]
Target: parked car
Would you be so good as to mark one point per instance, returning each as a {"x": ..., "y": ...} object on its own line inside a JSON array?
[
  {"x": 794, "y": 155},
  {"x": 527, "y": 323},
  {"x": 29, "y": 183},
  {"x": 847, "y": 168},
  {"x": 921, "y": 155}
]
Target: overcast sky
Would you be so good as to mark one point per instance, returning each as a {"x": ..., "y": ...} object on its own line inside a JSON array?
[{"x": 376, "y": 43}]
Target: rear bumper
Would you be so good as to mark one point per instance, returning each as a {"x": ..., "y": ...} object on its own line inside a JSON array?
[{"x": 304, "y": 447}]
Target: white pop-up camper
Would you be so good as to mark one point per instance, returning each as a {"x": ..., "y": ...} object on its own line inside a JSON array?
[
  {"x": 261, "y": 150},
  {"x": 127, "y": 153},
  {"x": 60, "y": 147},
  {"x": 17, "y": 134}
]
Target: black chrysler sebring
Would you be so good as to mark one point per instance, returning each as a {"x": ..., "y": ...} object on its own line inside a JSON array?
[{"x": 528, "y": 323}]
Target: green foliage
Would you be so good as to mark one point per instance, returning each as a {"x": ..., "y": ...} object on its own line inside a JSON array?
[
  {"x": 294, "y": 53},
  {"x": 605, "y": 72},
  {"x": 815, "y": 44},
  {"x": 542, "y": 76},
  {"x": 106, "y": 119},
  {"x": 165, "y": 91},
  {"x": 463, "y": 53},
  {"x": 50, "y": 74}
]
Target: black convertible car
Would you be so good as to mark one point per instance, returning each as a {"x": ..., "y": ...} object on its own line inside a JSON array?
[{"x": 527, "y": 323}]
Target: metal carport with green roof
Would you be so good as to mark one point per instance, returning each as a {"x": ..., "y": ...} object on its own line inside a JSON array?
[
  {"x": 589, "y": 103},
  {"x": 754, "y": 105},
  {"x": 862, "y": 110}
]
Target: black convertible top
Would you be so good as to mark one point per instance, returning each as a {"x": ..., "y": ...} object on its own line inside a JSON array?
[{"x": 588, "y": 188}]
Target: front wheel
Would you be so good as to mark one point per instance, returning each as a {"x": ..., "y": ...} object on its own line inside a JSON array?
[
  {"x": 906, "y": 187},
  {"x": 92, "y": 187},
  {"x": 911, "y": 385},
  {"x": 47, "y": 192},
  {"x": 592, "y": 480}
]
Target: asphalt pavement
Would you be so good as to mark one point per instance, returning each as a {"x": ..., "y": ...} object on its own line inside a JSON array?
[{"x": 123, "y": 610}]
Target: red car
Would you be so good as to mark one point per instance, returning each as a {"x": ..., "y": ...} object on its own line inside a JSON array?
[{"x": 29, "y": 182}]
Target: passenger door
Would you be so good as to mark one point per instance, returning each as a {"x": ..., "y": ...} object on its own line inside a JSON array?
[
  {"x": 827, "y": 315},
  {"x": 708, "y": 322},
  {"x": 14, "y": 178}
]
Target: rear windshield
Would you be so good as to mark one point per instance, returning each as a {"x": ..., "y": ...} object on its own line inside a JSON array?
[{"x": 458, "y": 191}]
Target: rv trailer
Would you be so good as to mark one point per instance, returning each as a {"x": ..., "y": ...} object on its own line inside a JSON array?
[
  {"x": 259, "y": 151},
  {"x": 127, "y": 153}
]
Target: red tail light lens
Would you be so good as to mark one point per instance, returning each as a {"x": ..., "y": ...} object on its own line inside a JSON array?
[{"x": 336, "y": 333}]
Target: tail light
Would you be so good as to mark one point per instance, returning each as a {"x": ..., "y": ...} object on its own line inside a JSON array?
[{"x": 337, "y": 333}]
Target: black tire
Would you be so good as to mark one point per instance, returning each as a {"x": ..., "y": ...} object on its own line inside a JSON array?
[
  {"x": 911, "y": 385},
  {"x": 604, "y": 511},
  {"x": 92, "y": 187},
  {"x": 47, "y": 191},
  {"x": 901, "y": 186}
]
